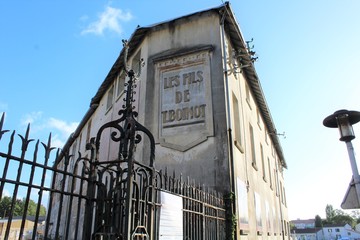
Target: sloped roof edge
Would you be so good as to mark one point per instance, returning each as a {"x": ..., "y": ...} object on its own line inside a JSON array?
[{"x": 232, "y": 28}]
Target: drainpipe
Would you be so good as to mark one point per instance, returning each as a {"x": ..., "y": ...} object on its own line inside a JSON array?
[{"x": 228, "y": 119}]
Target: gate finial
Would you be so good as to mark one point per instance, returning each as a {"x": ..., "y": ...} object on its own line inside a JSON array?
[{"x": 1, "y": 125}]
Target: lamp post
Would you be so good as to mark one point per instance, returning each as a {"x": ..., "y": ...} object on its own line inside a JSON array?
[{"x": 343, "y": 120}]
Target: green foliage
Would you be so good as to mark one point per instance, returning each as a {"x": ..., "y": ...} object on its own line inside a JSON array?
[
  {"x": 292, "y": 226},
  {"x": 318, "y": 221},
  {"x": 231, "y": 220},
  {"x": 355, "y": 214},
  {"x": 344, "y": 219},
  {"x": 329, "y": 210},
  {"x": 337, "y": 216},
  {"x": 18, "y": 209}
]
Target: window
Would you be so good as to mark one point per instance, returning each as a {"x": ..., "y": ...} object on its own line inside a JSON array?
[
  {"x": 263, "y": 162},
  {"x": 269, "y": 168},
  {"x": 110, "y": 98},
  {"x": 247, "y": 91},
  {"x": 276, "y": 183},
  {"x": 237, "y": 130},
  {"x": 268, "y": 220},
  {"x": 266, "y": 136},
  {"x": 258, "y": 118},
  {"x": 337, "y": 230},
  {"x": 252, "y": 142},
  {"x": 73, "y": 148},
  {"x": 258, "y": 213},
  {"x": 80, "y": 140},
  {"x": 120, "y": 84},
  {"x": 88, "y": 132},
  {"x": 135, "y": 64},
  {"x": 242, "y": 205}
]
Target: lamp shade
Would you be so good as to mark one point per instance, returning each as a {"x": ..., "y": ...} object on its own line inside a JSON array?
[{"x": 343, "y": 120}]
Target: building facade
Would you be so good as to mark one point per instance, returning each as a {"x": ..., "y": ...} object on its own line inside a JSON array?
[
  {"x": 199, "y": 95},
  {"x": 303, "y": 223},
  {"x": 327, "y": 232},
  {"x": 307, "y": 234},
  {"x": 339, "y": 231}
]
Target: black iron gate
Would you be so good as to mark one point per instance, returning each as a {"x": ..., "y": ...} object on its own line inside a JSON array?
[{"x": 88, "y": 198}]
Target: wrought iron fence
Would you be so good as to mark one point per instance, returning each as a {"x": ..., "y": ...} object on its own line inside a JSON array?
[
  {"x": 204, "y": 211},
  {"x": 89, "y": 201}
]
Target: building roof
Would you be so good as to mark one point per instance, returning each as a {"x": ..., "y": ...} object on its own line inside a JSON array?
[
  {"x": 298, "y": 221},
  {"x": 305, "y": 230},
  {"x": 232, "y": 28},
  {"x": 335, "y": 225}
]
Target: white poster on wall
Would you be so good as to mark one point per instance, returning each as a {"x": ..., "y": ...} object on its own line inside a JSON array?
[
  {"x": 171, "y": 217},
  {"x": 243, "y": 205}
]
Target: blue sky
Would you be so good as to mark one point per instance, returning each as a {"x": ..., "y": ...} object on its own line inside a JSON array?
[{"x": 55, "y": 54}]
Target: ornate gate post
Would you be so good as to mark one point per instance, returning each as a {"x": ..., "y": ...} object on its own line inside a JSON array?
[{"x": 133, "y": 221}]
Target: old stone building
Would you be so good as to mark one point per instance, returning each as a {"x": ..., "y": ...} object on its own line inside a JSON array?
[{"x": 199, "y": 95}]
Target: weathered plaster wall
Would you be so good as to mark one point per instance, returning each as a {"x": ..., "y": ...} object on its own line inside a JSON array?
[{"x": 202, "y": 149}]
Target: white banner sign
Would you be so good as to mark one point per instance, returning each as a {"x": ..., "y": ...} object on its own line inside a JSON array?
[{"x": 171, "y": 217}]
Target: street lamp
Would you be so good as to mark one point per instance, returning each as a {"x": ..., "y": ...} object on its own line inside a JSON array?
[{"x": 343, "y": 120}]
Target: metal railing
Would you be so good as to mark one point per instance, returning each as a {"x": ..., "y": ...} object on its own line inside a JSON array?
[{"x": 85, "y": 201}]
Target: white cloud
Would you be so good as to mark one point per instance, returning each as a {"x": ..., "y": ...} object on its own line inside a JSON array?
[
  {"x": 62, "y": 126},
  {"x": 57, "y": 142},
  {"x": 108, "y": 20},
  {"x": 60, "y": 129},
  {"x": 3, "y": 107},
  {"x": 6, "y": 193},
  {"x": 31, "y": 118}
]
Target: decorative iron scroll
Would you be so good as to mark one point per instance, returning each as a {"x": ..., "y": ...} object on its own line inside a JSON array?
[
  {"x": 128, "y": 134},
  {"x": 121, "y": 194}
]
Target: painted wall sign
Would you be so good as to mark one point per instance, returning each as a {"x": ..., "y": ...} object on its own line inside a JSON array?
[{"x": 185, "y": 100}]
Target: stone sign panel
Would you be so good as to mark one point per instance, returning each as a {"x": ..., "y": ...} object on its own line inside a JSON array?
[{"x": 185, "y": 116}]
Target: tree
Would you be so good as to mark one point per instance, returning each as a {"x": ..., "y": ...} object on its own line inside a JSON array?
[
  {"x": 343, "y": 219},
  {"x": 355, "y": 214},
  {"x": 336, "y": 216},
  {"x": 318, "y": 221},
  {"x": 329, "y": 210},
  {"x": 18, "y": 210}
]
